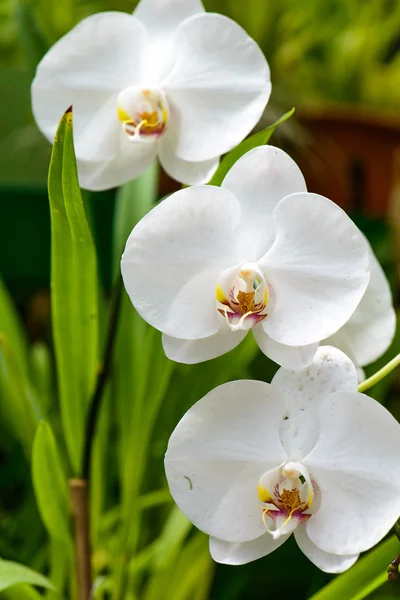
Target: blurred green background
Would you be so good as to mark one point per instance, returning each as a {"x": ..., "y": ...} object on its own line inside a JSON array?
[{"x": 338, "y": 63}]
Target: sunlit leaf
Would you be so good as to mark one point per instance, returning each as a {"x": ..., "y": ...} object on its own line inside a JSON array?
[
  {"x": 12, "y": 573},
  {"x": 50, "y": 484},
  {"x": 74, "y": 292},
  {"x": 367, "y": 575}
]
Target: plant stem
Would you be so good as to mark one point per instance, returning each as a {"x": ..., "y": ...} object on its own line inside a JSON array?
[
  {"x": 393, "y": 568},
  {"x": 80, "y": 512},
  {"x": 392, "y": 364},
  {"x": 94, "y": 409}
]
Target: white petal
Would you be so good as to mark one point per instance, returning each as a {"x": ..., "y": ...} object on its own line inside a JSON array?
[
  {"x": 109, "y": 174},
  {"x": 370, "y": 330},
  {"x": 189, "y": 173},
  {"x": 174, "y": 256},
  {"x": 304, "y": 389},
  {"x": 259, "y": 180},
  {"x": 162, "y": 17},
  {"x": 229, "y": 553},
  {"x": 87, "y": 68},
  {"x": 318, "y": 267},
  {"x": 220, "y": 82},
  {"x": 289, "y": 357},
  {"x": 217, "y": 454},
  {"x": 195, "y": 351},
  {"x": 330, "y": 563},
  {"x": 356, "y": 464}
]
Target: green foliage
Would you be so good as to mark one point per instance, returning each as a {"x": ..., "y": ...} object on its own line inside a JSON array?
[
  {"x": 50, "y": 484},
  {"x": 12, "y": 573},
  {"x": 257, "y": 139},
  {"x": 368, "y": 574},
  {"x": 74, "y": 285},
  {"x": 20, "y": 407}
]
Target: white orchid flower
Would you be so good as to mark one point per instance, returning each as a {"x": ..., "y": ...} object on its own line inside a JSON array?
[
  {"x": 370, "y": 330},
  {"x": 169, "y": 80},
  {"x": 251, "y": 463},
  {"x": 208, "y": 264}
]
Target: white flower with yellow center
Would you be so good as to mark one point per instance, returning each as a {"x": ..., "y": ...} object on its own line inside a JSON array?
[
  {"x": 251, "y": 463},
  {"x": 169, "y": 80},
  {"x": 208, "y": 264}
]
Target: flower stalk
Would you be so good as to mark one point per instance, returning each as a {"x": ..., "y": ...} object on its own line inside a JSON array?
[
  {"x": 80, "y": 512},
  {"x": 381, "y": 374}
]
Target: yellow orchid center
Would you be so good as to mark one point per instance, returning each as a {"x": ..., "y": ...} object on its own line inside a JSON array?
[
  {"x": 242, "y": 296},
  {"x": 143, "y": 113},
  {"x": 289, "y": 492}
]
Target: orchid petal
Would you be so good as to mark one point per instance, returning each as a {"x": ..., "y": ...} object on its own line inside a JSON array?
[
  {"x": 318, "y": 267},
  {"x": 304, "y": 389},
  {"x": 217, "y": 454},
  {"x": 162, "y": 17},
  {"x": 220, "y": 82},
  {"x": 174, "y": 256},
  {"x": 80, "y": 70},
  {"x": 194, "y": 351},
  {"x": 190, "y": 173},
  {"x": 289, "y": 357},
  {"x": 357, "y": 467},
  {"x": 259, "y": 180},
  {"x": 370, "y": 330},
  {"x": 229, "y": 553},
  {"x": 330, "y": 563},
  {"x": 110, "y": 174}
]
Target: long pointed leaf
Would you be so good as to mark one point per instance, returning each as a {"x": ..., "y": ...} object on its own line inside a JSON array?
[{"x": 74, "y": 291}]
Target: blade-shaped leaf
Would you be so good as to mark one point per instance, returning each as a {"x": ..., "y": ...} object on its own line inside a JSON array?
[
  {"x": 367, "y": 575},
  {"x": 50, "y": 484},
  {"x": 19, "y": 403},
  {"x": 74, "y": 291},
  {"x": 12, "y": 573},
  {"x": 257, "y": 139}
]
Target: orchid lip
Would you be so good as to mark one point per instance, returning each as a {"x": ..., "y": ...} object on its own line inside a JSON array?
[
  {"x": 143, "y": 113},
  {"x": 289, "y": 492},
  {"x": 242, "y": 296}
]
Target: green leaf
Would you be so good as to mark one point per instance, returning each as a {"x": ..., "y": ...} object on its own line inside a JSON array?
[
  {"x": 19, "y": 402},
  {"x": 12, "y": 573},
  {"x": 50, "y": 484},
  {"x": 32, "y": 38},
  {"x": 74, "y": 292},
  {"x": 368, "y": 574},
  {"x": 133, "y": 201},
  {"x": 258, "y": 139},
  {"x": 12, "y": 327}
]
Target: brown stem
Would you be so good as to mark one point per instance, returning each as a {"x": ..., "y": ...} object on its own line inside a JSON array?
[
  {"x": 80, "y": 513},
  {"x": 393, "y": 568}
]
